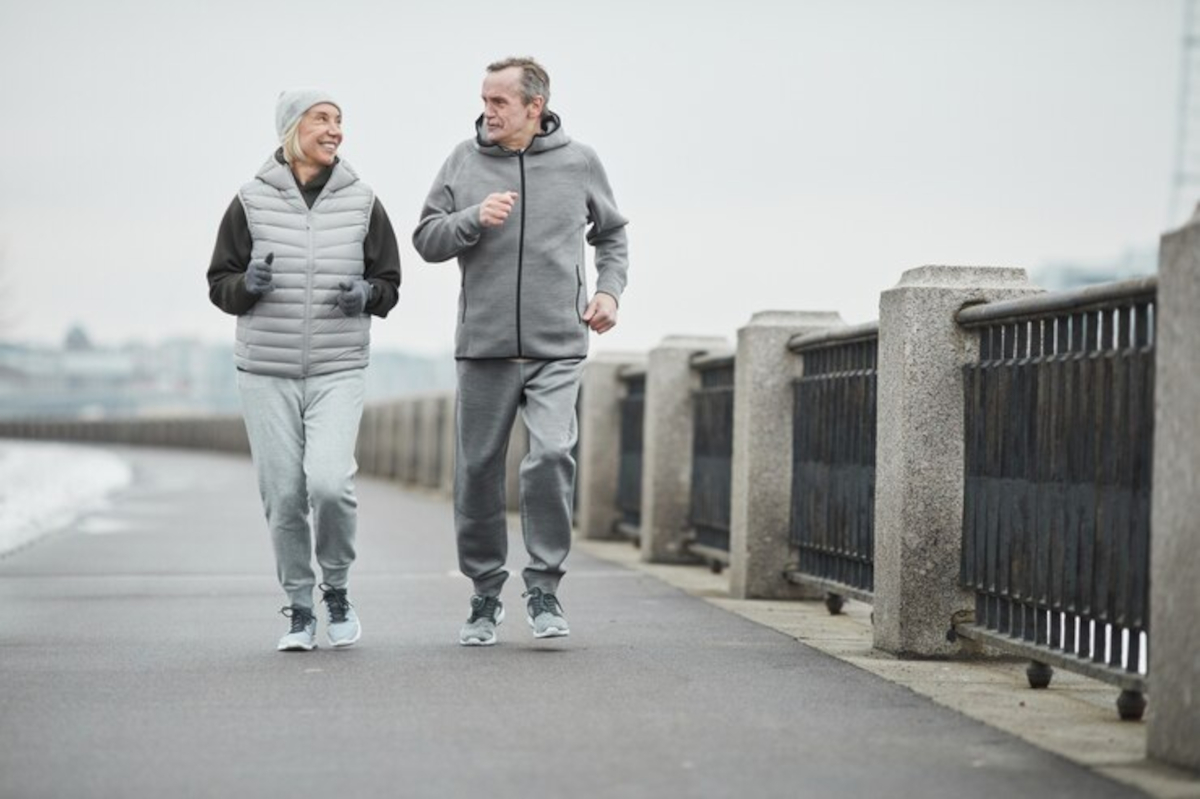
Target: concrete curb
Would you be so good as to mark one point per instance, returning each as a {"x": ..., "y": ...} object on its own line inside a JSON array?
[{"x": 1074, "y": 718}]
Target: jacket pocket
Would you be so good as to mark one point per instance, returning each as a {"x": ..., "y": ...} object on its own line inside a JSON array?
[
  {"x": 578, "y": 292},
  {"x": 463, "y": 290}
]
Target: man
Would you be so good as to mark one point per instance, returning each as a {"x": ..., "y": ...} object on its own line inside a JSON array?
[{"x": 514, "y": 204}]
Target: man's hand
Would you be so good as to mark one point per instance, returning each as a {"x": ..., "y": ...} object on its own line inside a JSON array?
[
  {"x": 258, "y": 276},
  {"x": 601, "y": 313},
  {"x": 354, "y": 296},
  {"x": 495, "y": 208}
]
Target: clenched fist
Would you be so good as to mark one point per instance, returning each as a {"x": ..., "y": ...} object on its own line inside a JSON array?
[
  {"x": 495, "y": 208},
  {"x": 601, "y": 313}
]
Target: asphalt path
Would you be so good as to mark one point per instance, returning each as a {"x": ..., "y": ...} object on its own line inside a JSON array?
[{"x": 137, "y": 660}]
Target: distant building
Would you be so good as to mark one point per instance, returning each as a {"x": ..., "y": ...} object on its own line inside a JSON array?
[
  {"x": 1064, "y": 275},
  {"x": 82, "y": 379}
]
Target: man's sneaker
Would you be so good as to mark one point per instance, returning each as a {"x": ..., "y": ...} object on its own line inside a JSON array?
[
  {"x": 546, "y": 615},
  {"x": 302, "y": 636},
  {"x": 480, "y": 629},
  {"x": 344, "y": 628}
]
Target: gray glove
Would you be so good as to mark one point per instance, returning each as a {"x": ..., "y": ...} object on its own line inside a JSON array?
[
  {"x": 258, "y": 275},
  {"x": 354, "y": 296}
]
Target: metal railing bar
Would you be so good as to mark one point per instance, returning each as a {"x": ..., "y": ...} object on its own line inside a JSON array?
[
  {"x": 833, "y": 337},
  {"x": 1106, "y": 295},
  {"x": 631, "y": 372},
  {"x": 704, "y": 361},
  {"x": 797, "y": 577},
  {"x": 1125, "y": 680}
]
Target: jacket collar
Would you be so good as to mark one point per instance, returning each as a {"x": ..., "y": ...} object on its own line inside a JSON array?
[
  {"x": 277, "y": 174},
  {"x": 550, "y": 137}
]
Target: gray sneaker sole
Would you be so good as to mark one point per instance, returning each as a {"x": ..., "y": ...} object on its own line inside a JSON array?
[{"x": 295, "y": 646}]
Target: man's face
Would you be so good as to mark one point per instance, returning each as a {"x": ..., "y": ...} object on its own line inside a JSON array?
[
  {"x": 320, "y": 133},
  {"x": 508, "y": 121}
]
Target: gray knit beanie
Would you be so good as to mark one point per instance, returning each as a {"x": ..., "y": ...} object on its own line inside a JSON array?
[{"x": 293, "y": 103}]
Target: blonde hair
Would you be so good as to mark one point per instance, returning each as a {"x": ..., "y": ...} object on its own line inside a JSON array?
[{"x": 291, "y": 142}]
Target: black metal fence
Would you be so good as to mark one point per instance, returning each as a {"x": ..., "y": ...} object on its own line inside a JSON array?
[
  {"x": 1059, "y": 412},
  {"x": 833, "y": 463},
  {"x": 712, "y": 459},
  {"x": 629, "y": 473}
]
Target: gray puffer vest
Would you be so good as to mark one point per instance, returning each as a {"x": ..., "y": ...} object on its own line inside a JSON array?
[{"x": 297, "y": 330}]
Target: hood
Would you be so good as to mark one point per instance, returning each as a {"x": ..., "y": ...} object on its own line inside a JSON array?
[{"x": 551, "y": 137}]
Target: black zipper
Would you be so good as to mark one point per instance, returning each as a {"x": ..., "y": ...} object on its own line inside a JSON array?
[{"x": 520, "y": 253}]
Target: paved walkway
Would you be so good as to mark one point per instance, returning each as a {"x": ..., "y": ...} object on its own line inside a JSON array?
[{"x": 137, "y": 660}]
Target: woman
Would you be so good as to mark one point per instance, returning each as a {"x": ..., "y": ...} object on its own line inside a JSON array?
[{"x": 304, "y": 256}]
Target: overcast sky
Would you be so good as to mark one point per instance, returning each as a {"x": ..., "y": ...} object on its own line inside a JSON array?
[{"x": 769, "y": 154}]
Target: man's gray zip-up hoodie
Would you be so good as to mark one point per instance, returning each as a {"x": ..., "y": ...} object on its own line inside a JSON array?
[{"x": 524, "y": 288}]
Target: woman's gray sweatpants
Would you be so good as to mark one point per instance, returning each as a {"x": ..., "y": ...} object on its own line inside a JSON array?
[
  {"x": 302, "y": 434},
  {"x": 489, "y": 394}
]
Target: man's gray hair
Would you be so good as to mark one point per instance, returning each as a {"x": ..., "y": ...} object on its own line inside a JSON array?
[{"x": 534, "y": 80}]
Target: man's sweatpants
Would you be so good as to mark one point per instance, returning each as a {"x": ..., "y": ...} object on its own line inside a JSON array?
[
  {"x": 489, "y": 394},
  {"x": 302, "y": 434}
]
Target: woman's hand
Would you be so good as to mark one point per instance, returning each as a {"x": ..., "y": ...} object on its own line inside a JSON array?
[
  {"x": 258, "y": 276},
  {"x": 353, "y": 299}
]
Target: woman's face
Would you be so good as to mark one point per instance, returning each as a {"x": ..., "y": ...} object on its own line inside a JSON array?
[{"x": 320, "y": 134}]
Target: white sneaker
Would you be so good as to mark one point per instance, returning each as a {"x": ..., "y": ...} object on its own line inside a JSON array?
[
  {"x": 344, "y": 628},
  {"x": 302, "y": 636}
]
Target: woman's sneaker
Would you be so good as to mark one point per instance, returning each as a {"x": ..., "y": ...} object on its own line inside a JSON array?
[
  {"x": 480, "y": 630},
  {"x": 302, "y": 636},
  {"x": 546, "y": 615},
  {"x": 344, "y": 628}
]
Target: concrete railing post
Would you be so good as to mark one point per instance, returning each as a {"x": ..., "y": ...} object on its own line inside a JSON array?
[
  {"x": 399, "y": 429},
  {"x": 390, "y": 440},
  {"x": 416, "y": 433},
  {"x": 381, "y": 446},
  {"x": 427, "y": 460},
  {"x": 447, "y": 443},
  {"x": 667, "y": 446},
  {"x": 416, "y": 439},
  {"x": 760, "y": 509},
  {"x": 920, "y": 449},
  {"x": 409, "y": 432},
  {"x": 1173, "y": 732},
  {"x": 600, "y": 443}
]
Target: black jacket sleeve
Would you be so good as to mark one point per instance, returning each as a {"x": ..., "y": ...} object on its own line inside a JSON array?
[
  {"x": 381, "y": 256},
  {"x": 231, "y": 255}
]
